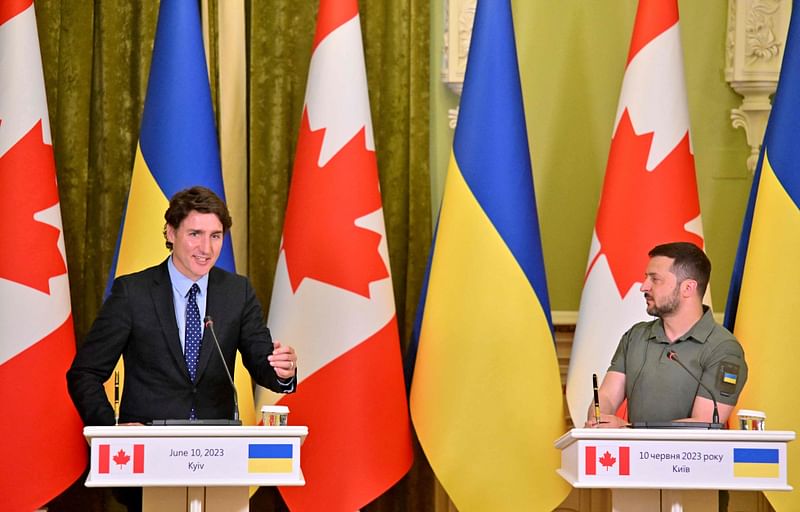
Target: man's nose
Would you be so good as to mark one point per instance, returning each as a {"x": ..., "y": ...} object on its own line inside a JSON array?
[{"x": 205, "y": 244}]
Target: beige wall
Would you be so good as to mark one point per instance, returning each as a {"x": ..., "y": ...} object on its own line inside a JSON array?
[{"x": 572, "y": 57}]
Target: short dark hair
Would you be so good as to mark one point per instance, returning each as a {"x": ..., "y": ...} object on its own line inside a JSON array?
[
  {"x": 690, "y": 262},
  {"x": 199, "y": 199}
]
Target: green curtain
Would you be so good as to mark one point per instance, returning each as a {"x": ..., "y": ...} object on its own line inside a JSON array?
[{"x": 96, "y": 57}]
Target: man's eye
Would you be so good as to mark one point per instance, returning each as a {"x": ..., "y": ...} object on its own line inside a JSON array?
[{"x": 216, "y": 236}]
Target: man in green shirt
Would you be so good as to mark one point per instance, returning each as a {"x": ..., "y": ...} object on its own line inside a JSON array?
[{"x": 643, "y": 369}]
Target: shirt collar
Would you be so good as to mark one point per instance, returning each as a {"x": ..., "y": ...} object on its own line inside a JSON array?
[
  {"x": 181, "y": 283},
  {"x": 699, "y": 332}
]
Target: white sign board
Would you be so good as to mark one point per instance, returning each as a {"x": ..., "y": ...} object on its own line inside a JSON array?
[
  {"x": 195, "y": 456},
  {"x": 682, "y": 459}
]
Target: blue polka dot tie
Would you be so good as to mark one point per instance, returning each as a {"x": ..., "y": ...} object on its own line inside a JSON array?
[{"x": 191, "y": 350}]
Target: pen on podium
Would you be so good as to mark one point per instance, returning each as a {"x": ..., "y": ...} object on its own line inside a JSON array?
[
  {"x": 596, "y": 399},
  {"x": 116, "y": 398}
]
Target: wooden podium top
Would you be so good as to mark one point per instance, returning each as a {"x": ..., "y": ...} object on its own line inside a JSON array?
[
  {"x": 194, "y": 431},
  {"x": 670, "y": 434}
]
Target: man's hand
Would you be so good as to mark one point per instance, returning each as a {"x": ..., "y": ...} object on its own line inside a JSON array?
[
  {"x": 606, "y": 421},
  {"x": 284, "y": 360},
  {"x": 611, "y": 395}
]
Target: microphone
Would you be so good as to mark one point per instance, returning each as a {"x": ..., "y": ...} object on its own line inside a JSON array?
[
  {"x": 674, "y": 356},
  {"x": 209, "y": 323}
]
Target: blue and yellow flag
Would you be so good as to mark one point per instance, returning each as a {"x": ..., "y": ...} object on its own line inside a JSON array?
[
  {"x": 486, "y": 396},
  {"x": 269, "y": 458},
  {"x": 763, "y": 295},
  {"x": 178, "y": 140},
  {"x": 177, "y": 149},
  {"x": 756, "y": 463}
]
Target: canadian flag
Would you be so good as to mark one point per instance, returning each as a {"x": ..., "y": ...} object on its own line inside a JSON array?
[
  {"x": 649, "y": 196},
  {"x": 607, "y": 460},
  {"x": 120, "y": 458},
  {"x": 43, "y": 449},
  {"x": 333, "y": 299}
]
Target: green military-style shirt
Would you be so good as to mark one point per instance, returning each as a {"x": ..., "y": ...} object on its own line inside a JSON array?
[{"x": 657, "y": 388}]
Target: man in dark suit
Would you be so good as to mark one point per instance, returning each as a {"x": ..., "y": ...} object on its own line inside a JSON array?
[{"x": 153, "y": 318}]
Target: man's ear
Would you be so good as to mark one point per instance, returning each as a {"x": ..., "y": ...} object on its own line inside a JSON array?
[
  {"x": 688, "y": 287},
  {"x": 169, "y": 233}
]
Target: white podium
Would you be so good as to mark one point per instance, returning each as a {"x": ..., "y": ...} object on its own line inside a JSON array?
[
  {"x": 673, "y": 469},
  {"x": 197, "y": 468}
]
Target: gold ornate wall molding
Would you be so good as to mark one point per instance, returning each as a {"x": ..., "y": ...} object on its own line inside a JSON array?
[
  {"x": 459, "y": 16},
  {"x": 754, "y": 49}
]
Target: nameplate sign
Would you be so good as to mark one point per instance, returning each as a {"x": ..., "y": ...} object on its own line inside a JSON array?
[
  {"x": 715, "y": 460},
  {"x": 196, "y": 456}
]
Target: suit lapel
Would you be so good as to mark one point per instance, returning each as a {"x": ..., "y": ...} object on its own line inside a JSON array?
[
  {"x": 213, "y": 309},
  {"x": 161, "y": 292}
]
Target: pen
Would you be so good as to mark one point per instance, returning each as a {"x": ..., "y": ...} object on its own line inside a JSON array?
[
  {"x": 116, "y": 398},
  {"x": 596, "y": 399}
]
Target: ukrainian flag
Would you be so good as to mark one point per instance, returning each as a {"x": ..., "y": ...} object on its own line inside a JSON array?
[
  {"x": 756, "y": 463},
  {"x": 178, "y": 140},
  {"x": 177, "y": 149},
  {"x": 764, "y": 288},
  {"x": 269, "y": 458},
  {"x": 486, "y": 396}
]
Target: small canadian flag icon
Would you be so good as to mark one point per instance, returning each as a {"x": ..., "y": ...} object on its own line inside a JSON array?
[
  {"x": 613, "y": 459},
  {"x": 120, "y": 458}
]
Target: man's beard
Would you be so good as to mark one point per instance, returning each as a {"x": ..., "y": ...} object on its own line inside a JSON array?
[{"x": 669, "y": 307}]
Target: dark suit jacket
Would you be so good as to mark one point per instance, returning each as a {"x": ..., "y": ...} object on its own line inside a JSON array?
[{"x": 138, "y": 322}]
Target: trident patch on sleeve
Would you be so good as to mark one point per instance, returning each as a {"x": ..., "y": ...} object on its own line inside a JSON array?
[{"x": 727, "y": 379}]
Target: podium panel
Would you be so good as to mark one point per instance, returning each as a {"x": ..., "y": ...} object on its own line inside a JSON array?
[
  {"x": 675, "y": 459},
  {"x": 195, "y": 467},
  {"x": 673, "y": 469},
  {"x": 667, "y": 500}
]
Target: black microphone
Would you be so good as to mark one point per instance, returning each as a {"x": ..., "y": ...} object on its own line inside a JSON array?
[
  {"x": 674, "y": 356},
  {"x": 209, "y": 323}
]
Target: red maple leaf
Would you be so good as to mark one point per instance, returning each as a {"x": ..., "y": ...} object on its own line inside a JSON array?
[
  {"x": 27, "y": 186},
  {"x": 121, "y": 458},
  {"x": 607, "y": 460},
  {"x": 320, "y": 237},
  {"x": 640, "y": 209}
]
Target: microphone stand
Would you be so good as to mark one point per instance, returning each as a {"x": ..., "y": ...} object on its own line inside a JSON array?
[
  {"x": 210, "y": 324},
  {"x": 715, "y": 416}
]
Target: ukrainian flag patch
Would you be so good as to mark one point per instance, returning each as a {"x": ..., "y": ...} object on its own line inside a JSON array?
[{"x": 728, "y": 378}]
